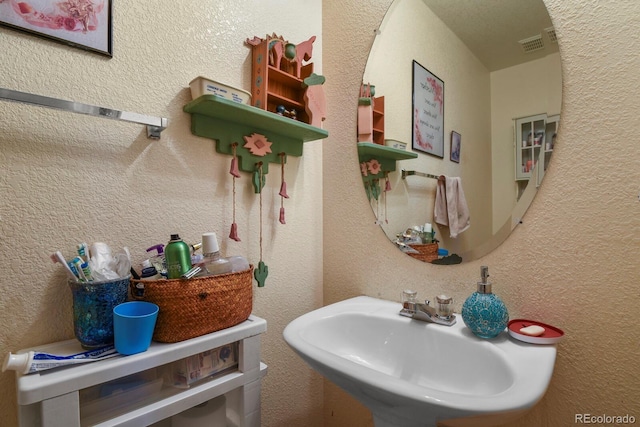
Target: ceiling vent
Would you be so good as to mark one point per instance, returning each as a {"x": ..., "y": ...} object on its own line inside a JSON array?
[
  {"x": 551, "y": 33},
  {"x": 532, "y": 44}
]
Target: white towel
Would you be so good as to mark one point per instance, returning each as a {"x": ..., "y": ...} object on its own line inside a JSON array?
[{"x": 451, "y": 206}]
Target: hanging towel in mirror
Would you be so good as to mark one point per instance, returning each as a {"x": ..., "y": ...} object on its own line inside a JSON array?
[{"x": 451, "y": 208}]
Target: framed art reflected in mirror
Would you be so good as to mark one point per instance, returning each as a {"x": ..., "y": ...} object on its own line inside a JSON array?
[
  {"x": 456, "y": 139},
  {"x": 428, "y": 111}
]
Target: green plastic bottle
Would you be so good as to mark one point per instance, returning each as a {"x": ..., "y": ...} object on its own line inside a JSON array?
[{"x": 177, "y": 257}]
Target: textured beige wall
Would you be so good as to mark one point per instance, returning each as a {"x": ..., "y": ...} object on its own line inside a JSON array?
[
  {"x": 572, "y": 263},
  {"x": 67, "y": 178}
]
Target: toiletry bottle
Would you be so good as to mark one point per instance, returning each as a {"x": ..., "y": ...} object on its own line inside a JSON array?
[
  {"x": 149, "y": 272},
  {"x": 177, "y": 257},
  {"x": 158, "y": 260},
  {"x": 484, "y": 312},
  {"x": 212, "y": 263},
  {"x": 195, "y": 258}
]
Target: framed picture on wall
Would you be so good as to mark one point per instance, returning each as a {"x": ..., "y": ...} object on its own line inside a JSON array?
[
  {"x": 455, "y": 146},
  {"x": 85, "y": 24},
  {"x": 428, "y": 112}
]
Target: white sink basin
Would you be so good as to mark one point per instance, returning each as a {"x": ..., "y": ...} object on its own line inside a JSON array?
[{"x": 412, "y": 373}]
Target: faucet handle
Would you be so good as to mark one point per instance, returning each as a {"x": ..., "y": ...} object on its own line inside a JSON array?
[
  {"x": 427, "y": 302},
  {"x": 409, "y": 295},
  {"x": 444, "y": 306}
]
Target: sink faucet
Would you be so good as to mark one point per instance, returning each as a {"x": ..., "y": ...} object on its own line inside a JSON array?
[{"x": 426, "y": 313}]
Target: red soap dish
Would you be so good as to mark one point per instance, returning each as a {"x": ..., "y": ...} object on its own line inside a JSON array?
[{"x": 551, "y": 334}]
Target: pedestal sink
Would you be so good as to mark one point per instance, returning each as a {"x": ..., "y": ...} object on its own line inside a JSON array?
[{"x": 412, "y": 373}]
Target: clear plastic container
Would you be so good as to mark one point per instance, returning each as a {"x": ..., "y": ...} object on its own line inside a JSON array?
[
  {"x": 213, "y": 263},
  {"x": 238, "y": 263}
]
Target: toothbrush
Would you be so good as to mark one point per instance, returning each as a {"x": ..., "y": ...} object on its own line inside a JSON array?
[
  {"x": 83, "y": 251},
  {"x": 57, "y": 257}
]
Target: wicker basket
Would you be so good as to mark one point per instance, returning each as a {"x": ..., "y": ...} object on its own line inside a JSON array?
[
  {"x": 427, "y": 252},
  {"x": 198, "y": 306}
]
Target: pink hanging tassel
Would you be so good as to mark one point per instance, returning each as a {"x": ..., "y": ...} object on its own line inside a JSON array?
[
  {"x": 234, "y": 167},
  {"x": 282, "y": 221},
  {"x": 387, "y": 186},
  {"x": 283, "y": 190},
  {"x": 234, "y": 232}
]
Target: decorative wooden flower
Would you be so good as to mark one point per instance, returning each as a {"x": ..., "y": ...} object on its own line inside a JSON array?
[
  {"x": 374, "y": 166},
  {"x": 363, "y": 168},
  {"x": 257, "y": 144}
]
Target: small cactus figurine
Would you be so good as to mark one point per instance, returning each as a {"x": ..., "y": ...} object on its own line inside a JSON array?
[{"x": 261, "y": 274}]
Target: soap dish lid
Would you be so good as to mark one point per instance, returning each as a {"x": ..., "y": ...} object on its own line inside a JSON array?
[{"x": 551, "y": 334}]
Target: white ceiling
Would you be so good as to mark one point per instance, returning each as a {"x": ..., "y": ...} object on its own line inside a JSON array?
[{"x": 492, "y": 28}]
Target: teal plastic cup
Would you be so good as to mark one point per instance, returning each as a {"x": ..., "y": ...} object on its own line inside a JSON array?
[{"x": 133, "y": 324}]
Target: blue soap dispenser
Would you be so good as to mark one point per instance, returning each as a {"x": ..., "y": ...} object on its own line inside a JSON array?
[{"x": 484, "y": 312}]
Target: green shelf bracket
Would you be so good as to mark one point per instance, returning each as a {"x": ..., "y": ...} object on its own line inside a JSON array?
[
  {"x": 387, "y": 157},
  {"x": 227, "y": 122}
]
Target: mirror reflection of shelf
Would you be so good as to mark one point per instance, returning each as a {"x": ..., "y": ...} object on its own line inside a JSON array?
[
  {"x": 378, "y": 120},
  {"x": 384, "y": 158},
  {"x": 370, "y": 115},
  {"x": 387, "y": 156}
]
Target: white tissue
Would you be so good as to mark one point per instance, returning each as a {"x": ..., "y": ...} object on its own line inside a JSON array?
[{"x": 106, "y": 265}]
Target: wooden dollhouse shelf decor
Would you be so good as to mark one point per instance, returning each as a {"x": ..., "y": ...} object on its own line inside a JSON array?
[
  {"x": 370, "y": 115},
  {"x": 378, "y": 120},
  {"x": 228, "y": 122},
  {"x": 280, "y": 82}
]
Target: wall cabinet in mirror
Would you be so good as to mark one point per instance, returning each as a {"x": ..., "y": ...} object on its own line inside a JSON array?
[
  {"x": 535, "y": 138},
  {"x": 529, "y": 143},
  {"x": 550, "y": 137}
]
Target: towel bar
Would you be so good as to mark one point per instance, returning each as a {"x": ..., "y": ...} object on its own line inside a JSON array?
[
  {"x": 406, "y": 173},
  {"x": 155, "y": 125}
]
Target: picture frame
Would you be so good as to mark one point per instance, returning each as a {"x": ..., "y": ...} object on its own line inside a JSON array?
[
  {"x": 456, "y": 140},
  {"x": 84, "y": 24},
  {"x": 428, "y": 112}
]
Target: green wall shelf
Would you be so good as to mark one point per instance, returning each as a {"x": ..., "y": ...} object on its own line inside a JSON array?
[
  {"x": 387, "y": 157},
  {"x": 227, "y": 122}
]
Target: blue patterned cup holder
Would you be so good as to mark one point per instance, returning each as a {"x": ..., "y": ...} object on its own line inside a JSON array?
[{"x": 93, "y": 304}]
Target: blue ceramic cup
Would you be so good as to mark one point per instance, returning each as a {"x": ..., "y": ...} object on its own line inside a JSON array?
[{"x": 133, "y": 324}]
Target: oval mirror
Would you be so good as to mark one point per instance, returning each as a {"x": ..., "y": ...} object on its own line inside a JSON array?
[{"x": 473, "y": 88}]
